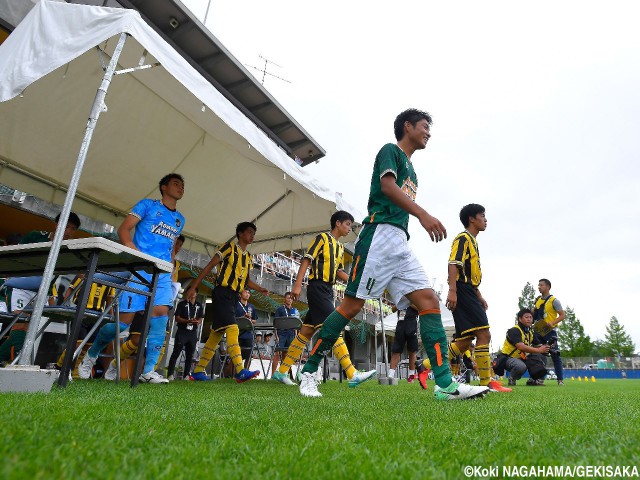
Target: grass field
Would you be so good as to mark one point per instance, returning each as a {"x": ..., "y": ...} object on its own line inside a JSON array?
[{"x": 220, "y": 429}]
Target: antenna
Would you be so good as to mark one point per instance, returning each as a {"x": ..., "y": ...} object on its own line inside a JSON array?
[{"x": 264, "y": 70}]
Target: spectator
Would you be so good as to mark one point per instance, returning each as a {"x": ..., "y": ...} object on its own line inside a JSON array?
[
  {"x": 189, "y": 315},
  {"x": 284, "y": 337},
  {"x": 247, "y": 310}
]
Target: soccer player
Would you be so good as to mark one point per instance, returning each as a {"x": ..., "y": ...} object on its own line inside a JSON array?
[
  {"x": 547, "y": 314},
  {"x": 383, "y": 259},
  {"x": 464, "y": 298},
  {"x": 406, "y": 334},
  {"x": 157, "y": 224},
  {"x": 17, "y": 298},
  {"x": 325, "y": 255},
  {"x": 233, "y": 276}
]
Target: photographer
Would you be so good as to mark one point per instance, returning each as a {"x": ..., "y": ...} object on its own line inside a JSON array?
[{"x": 517, "y": 347}]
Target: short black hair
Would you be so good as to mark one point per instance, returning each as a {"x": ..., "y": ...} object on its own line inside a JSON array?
[
  {"x": 522, "y": 312},
  {"x": 243, "y": 226},
  {"x": 340, "y": 216},
  {"x": 412, "y": 116},
  {"x": 167, "y": 178},
  {"x": 73, "y": 219},
  {"x": 548, "y": 282},
  {"x": 470, "y": 210},
  {"x": 288, "y": 293}
]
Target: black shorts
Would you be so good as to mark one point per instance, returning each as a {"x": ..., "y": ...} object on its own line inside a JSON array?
[
  {"x": 469, "y": 314},
  {"x": 223, "y": 304},
  {"x": 406, "y": 333},
  {"x": 320, "y": 300}
]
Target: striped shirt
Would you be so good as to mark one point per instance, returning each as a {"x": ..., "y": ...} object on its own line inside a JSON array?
[
  {"x": 98, "y": 294},
  {"x": 327, "y": 257},
  {"x": 233, "y": 271},
  {"x": 465, "y": 256}
]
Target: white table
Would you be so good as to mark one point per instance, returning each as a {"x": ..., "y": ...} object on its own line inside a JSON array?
[{"x": 89, "y": 256}]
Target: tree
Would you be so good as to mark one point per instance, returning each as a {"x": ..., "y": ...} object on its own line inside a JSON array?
[
  {"x": 573, "y": 341},
  {"x": 527, "y": 298},
  {"x": 616, "y": 340}
]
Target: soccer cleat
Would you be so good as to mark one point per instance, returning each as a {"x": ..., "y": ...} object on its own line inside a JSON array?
[
  {"x": 245, "y": 375},
  {"x": 86, "y": 366},
  {"x": 495, "y": 386},
  {"x": 283, "y": 378},
  {"x": 560, "y": 383},
  {"x": 360, "y": 377},
  {"x": 540, "y": 382},
  {"x": 153, "y": 377},
  {"x": 411, "y": 378},
  {"x": 459, "y": 391},
  {"x": 309, "y": 385},
  {"x": 512, "y": 382},
  {"x": 111, "y": 372},
  {"x": 171, "y": 378},
  {"x": 199, "y": 377}
]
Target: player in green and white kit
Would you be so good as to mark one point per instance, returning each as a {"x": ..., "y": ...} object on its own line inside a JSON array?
[{"x": 383, "y": 260}]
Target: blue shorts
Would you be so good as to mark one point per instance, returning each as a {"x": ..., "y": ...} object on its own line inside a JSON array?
[
  {"x": 285, "y": 337},
  {"x": 134, "y": 302}
]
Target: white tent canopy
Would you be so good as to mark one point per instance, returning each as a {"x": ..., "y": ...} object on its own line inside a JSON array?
[{"x": 159, "y": 120}]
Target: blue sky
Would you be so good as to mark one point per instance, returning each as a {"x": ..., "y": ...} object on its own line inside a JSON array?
[{"x": 535, "y": 111}]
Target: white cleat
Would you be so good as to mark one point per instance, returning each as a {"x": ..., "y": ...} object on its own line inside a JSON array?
[
  {"x": 459, "y": 391},
  {"x": 112, "y": 372},
  {"x": 309, "y": 385},
  {"x": 86, "y": 366},
  {"x": 153, "y": 377}
]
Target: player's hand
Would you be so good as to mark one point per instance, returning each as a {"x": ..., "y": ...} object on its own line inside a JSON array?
[
  {"x": 434, "y": 228},
  {"x": 452, "y": 300},
  {"x": 543, "y": 349},
  {"x": 484, "y": 303},
  {"x": 295, "y": 292}
]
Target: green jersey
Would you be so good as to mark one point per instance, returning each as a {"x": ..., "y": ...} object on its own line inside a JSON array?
[
  {"x": 391, "y": 159},
  {"x": 36, "y": 236}
]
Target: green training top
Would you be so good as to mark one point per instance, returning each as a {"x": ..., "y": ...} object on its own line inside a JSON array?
[
  {"x": 391, "y": 159},
  {"x": 36, "y": 236}
]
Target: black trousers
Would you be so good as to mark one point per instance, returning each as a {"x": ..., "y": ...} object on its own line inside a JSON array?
[{"x": 187, "y": 340}]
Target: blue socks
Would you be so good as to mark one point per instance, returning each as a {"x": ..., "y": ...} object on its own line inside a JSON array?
[{"x": 106, "y": 335}]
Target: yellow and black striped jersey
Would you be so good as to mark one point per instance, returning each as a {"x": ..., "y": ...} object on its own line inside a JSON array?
[
  {"x": 326, "y": 254},
  {"x": 233, "y": 270},
  {"x": 98, "y": 294},
  {"x": 465, "y": 256}
]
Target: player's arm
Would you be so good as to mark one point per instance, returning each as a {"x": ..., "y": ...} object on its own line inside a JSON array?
[
  {"x": 523, "y": 347},
  {"x": 191, "y": 293},
  {"x": 484, "y": 303},
  {"x": 431, "y": 224},
  {"x": 452, "y": 296},
  {"x": 124, "y": 231},
  {"x": 180, "y": 319},
  {"x": 253, "y": 285},
  {"x": 342, "y": 275},
  {"x": 296, "y": 290}
]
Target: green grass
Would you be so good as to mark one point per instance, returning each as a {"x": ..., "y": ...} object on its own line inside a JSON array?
[{"x": 95, "y": 429}]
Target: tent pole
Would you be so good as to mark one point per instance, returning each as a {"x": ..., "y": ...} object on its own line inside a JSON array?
[{"x": 26, "y": 355}]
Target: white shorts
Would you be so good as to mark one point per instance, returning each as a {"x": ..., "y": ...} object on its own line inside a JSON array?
[
  {"x": 383, "y": 261},
  {"x": 20, "y": 298}
]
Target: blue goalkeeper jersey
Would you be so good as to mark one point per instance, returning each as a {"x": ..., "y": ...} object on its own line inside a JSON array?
[{"x": 158, "y": 228}]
